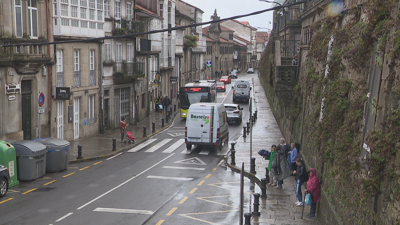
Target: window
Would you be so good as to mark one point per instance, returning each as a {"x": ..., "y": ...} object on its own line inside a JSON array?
[
  {"x": 92, "y": 25},
  {"x": 143, "y": 101},
  {"x": 91, "y": 14},
  {"x": 118, "y": 10},
  {"x": 83, "y": 3},
  {"x": 108, "y": 52},
  {"x": 76, "y": 60},
  {"x": 65, "y": 22},
  {"x": 84, "y": 24},
  {"x": 75, "y": 23},
  {"x": 91, "y": 59},
  {"x": 99, "y": 15},
  {"x": 59, "y": 60},
  {"x": 92, "y": 4},
  {"x": 107, "y": 9},
  {"x": 74, "y": 2},
  {"x": 83, "y": 13},
  {"x": 100, "y": 10},
  {"x": 129, "y": 52},
  {"x": 54, "y": 6},
  {"x": 18, "y": 18},
  {"x": 118, "y": 57},
  {"x": 230, "y": 37},
  {"x": 128, "y": 11},
  {"x": 221, "y": 50},
  {"x": 91, "y": 109},
  {"x": 74, "y": 11},
  {"x": 209, "y": 50},
  {"x": 64, "y": 10},
  {"x": 162, "y": 10},
  {"x": 33, "y": 18},
  {"x": 100, "y": 26},
  {"x": 100, "y": 4}
]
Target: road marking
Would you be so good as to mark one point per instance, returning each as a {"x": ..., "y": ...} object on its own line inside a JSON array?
[
  {"x": 6, "y": 200},
  {"x": 212, "y": 171},
  {"x": 183, "y": 200},
  {"x": 12, "y": 191},
  {"x": 182, "y": 168},
  {"x": 201, "y": 182},
  {"x": 215, "y": 197},
  {"x": 205, "y": 151},
  {"x": 193, "y": 190},
  {"x": 186, "y": 151},
  {"x": 64, "y": 217},
  {"x": 170, "y": 178},
  {"x": 172, "y": 211},
  {"x": 26, "y": 192},
  {"x": 209, "y": 175},
  {"x": 68, "y": 175},
  {"x": 159, "y": 145},
  {"x": 160, "y": 222},
  {"x": 144, "y": 144},
  {"x": 97, "y": 163},
  {"x": 204, "y": 213},
  {"x": 123, "y": 183},
  {"x": 174, "y": 146},
  {"x": 132, "y": 211},
  {"x": 176, "y": 134},
  {"x": 49, "y": 182},
  {"x": 84, "y": 168},
  {"x": 114, "y": 156},
  {"x": 192, "y": 161}
]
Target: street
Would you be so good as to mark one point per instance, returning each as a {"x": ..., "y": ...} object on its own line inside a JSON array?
[{"x": 155, "y": 182}]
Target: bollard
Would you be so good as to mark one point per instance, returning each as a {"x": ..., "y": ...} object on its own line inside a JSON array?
[
  {"x": 167, "y": 117},
  {"x": 244, "y": 132},
  {"x": 233, "y": 146},
  {"x": 253, "y": 165},
  {"x": 247, "y": 217},
  {"x": 248, "y": 127},
  {"x": 162, "y": 122},
  {"x": 255, "y": 114},
  {"x": 144, "y": 132},
  {"x": 233, "y": 157},
  {"x": 267, "y": 175},
  {"x": 79, "y": 152},
  {"x": 263, "y": 188},
  {"x": 153, "y": 127},
  {"x": 114, "y": 144},
  {"x": 256, "y": 204},
  {"x": 254, "y": 118}
]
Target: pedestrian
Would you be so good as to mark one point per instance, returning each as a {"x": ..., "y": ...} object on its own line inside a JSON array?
[
  {"x": 166, "y": 103},
  {"x": 285, "y": 147},
  {"x": 280, "y": 166},
  {"x": 301, "y": 177},
  {"x": 295, "y": 60},
  {"x": 294, "y": 154},
  {"x": 314, "y": 188},
  {"x": 122, "y": 128},
  {"x": 270, "y": 157}
]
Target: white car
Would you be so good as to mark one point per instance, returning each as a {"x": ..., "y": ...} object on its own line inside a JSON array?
[
  {"x": 250, "y": 70},
  {"x": 234, "y": 113}
]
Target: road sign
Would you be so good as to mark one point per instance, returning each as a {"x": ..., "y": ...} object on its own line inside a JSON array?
[
  {"x": 208, "y": 63},
  {"x": 41, "y": 110},
  {"x": 41, "y": 99}
]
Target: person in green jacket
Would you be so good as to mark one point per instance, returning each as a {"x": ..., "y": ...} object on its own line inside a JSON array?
[{"x": 272, "y": 177}]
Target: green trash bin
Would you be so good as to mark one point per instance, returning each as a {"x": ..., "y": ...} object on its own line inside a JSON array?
[{"x": 8, "y": 158}]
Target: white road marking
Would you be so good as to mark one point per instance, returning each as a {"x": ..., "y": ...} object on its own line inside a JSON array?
[
  {"x": 223, "y": 151},
  {"x": 185, "y": 151},
  {"x": 192, "y": 161},
  {"x": 205, "y": 151},
  {"x": 174, "y": 146},
  {"x": 170, "y": 178},
  {"x": 159, "y": 145},
  {"x": 182, "y": 168},
  {"x": 132, "y": 211},
  {"x": 176, "y": 134},
  {"x": 144, "y": 144},
  {"x": 64, "y": 217},
  {"x": 123, "y": 183},
  {"x": 114, "y": 156}
]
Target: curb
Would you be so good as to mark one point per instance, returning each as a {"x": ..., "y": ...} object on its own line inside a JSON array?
[{"x": 121, "y": 150}]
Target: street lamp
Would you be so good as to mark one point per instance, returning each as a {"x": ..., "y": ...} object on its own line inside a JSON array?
[{"x": 220, "y": 64}]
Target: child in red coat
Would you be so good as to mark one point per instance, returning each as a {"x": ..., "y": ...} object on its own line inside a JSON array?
[{"x": 314, "y": 188}]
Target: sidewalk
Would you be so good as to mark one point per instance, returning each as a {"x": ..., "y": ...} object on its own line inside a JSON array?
[
  {"x": 279, "y": 207},
  {"x": 100, "y": 145}
]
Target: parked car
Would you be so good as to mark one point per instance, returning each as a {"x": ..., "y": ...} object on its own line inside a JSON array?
[
  {"x": 241, "y": 91},
  {"x": 225, "y": 79},
  {"x": 234, "y": 113},
  {"x": 221, "y": 86},
  {"x": 4, "y": 180},
  {"x": 233, "y": 74},
  {"x": 250, "y": 70}
]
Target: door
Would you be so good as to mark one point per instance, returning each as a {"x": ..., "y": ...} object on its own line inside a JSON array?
[
  {"x": 26, "y": 116},
  {"x": 76, "y": 118},
  {"x": 60, "y": 119},
  {"x": 106, "y": 114},
  {"x": 117, "y": 112}
]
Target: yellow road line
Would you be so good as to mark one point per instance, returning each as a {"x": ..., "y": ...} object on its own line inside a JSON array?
[
  {"x": 160, "y": 222},
  {"x": 212, "y": 171},
  {"x": 172, "y": 211},
  {"x": 26, "y": 192},
  {"x": 6, "y": 200},
  {"x": 49, "y": 182},
  {"x": 68, "y": 174},
  {"x": 201, "y": 182},
  {"x": 97, "y": 163},
  {"x": 183, "y": 200},
  {"x": 84, "y": 168},
  {"x": 193, "y": 190},
  {"x": 209, "y": 175}
]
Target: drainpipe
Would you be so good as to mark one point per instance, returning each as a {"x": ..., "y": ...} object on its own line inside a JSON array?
[
  {"x": 101, "y": 88},
  {"x": 49, "y": 72}
]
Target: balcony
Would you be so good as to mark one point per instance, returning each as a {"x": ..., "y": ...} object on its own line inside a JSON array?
[
  {"x": 145, "y": 45},
  {"x": 128, "y": 71},
  {"x": 122, "y": 27}
]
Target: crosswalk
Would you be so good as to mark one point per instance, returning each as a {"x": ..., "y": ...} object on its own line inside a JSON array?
[{"x": 170, "y": 145}]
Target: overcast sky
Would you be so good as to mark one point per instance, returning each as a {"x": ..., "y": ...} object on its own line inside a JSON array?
[{"x": 228, "y": 8}]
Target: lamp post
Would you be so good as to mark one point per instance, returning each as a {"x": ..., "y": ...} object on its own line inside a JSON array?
[{"x": 220, "y": 64}]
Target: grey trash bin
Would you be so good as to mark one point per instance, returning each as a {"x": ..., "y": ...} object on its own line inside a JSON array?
[
  {"x": 57, "y": 154},
  {"x": 31, "y": 159}
]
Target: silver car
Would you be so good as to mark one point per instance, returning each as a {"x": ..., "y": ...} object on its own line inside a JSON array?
[{"x": 234, "y": 113}]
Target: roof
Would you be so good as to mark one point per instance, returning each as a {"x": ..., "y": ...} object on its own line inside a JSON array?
[
  {"x": 209, "y": 39},
  {"x": 205, "y": 30},
  {"x": 192, "y": 6},
  {"x": 237, "y": 43},
  {"x": 226, "y": 29},
  {"x": 262, "y": 37},
  {"x": 146, "y": 11},
  {"x": 245, "y": 23},
  {"x": 223, "y": 40},
  {"x": 241, "y": 39}
]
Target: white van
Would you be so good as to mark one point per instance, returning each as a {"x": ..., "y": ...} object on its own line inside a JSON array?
[
  {"x": 241, "y": 91},
  {"x": 206, "y": 124}
]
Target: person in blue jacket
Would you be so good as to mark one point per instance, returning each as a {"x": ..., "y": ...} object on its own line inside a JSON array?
[{"x": 294, "y": 154}]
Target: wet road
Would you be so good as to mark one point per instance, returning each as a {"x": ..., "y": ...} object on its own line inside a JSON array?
[{"x": 156, "y": 182}]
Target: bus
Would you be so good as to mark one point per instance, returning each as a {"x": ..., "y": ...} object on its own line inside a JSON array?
[{"x": 198, "y": 91}]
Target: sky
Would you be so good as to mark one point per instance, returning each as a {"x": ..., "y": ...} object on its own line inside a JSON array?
[{"x": 228, "y": 8}]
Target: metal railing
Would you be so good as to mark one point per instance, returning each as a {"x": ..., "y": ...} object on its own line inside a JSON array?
[{"x": 290, "y": 47}]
